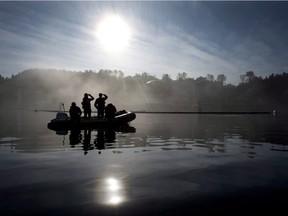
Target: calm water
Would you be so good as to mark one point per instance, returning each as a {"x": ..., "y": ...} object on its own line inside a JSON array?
[{"x": 161, "y": 165}]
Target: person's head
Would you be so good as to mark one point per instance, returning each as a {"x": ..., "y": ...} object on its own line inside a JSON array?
[
  {"x": 85, "y": 95},
  {"x": 73, "y": 104},
  {"x": 100, "y": 95}
]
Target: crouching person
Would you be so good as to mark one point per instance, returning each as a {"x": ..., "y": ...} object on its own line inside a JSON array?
[
  {"x": 75, "y": 113},
  {"x": 110, "y": 111}
]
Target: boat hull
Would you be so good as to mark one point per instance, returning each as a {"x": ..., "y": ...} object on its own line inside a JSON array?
[{"x": 85, "y": 123}]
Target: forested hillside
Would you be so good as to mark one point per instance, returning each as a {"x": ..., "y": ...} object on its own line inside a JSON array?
[{"x": 47, "y": 89}]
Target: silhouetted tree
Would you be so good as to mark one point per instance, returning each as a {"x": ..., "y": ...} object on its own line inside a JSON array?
[
  {"x": 166, "y": 78},
  {"x": 250, "y": 76},
  {"x": 182, "y": 76},
  {"x": 221, "y": 78},
  {"x": 2, "y": 79},
  {"x": 144, "y": 77},
  {"x": 210, "y": 77},
  {"x": 242, "y": 78},
  {"x": 247, "y": 77}
]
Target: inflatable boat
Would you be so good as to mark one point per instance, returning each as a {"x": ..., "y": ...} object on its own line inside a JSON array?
[{"x": 63, "y": 122}]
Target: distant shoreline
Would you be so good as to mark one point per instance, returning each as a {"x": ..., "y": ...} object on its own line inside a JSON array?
[
  {"x": 148, "y": 112},
  {"x": 170, "y": 112}
]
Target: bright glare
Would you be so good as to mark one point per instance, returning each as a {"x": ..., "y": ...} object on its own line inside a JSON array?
[
  {"x": 113, "y": 184},
  {"x": 114, "y": 33},
  {"x": 115, "y": 200}
]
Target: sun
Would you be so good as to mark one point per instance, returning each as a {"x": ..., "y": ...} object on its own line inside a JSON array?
[{"x": 113, "y": 33}]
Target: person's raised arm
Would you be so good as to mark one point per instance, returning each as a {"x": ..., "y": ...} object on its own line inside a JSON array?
[{"x": 91, "y": 97}]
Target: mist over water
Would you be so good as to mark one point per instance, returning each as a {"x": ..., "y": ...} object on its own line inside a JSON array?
[
  {"x": 39, "y": 89},
  {"x": 47, "y": 89}
]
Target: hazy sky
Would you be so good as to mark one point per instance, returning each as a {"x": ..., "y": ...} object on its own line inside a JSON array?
[{"x": 165, "y": 37}]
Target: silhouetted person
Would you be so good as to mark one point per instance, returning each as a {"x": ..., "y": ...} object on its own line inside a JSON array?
[
  {"x": 110, "y": 111},
  {"x": 110, "y": 135},
  {"x": 86, "y": 105},
  {"x": 87, "y": 141},
  {"x": 100, "y": 140},
  {"x": 75, "y": 137},
  {"x": 75, "y": 113},
  {"x": 100, "y": 105}
]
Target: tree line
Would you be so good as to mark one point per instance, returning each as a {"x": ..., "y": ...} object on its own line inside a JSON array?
[{"x": 46, "y": 89}]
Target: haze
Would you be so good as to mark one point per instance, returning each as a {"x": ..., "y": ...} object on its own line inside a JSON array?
[{"x": 197, "y": 38}]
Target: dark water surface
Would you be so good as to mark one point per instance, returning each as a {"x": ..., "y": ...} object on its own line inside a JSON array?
[{"x": 161, "y": 165}]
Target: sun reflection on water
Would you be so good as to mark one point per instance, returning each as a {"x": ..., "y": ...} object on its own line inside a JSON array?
[
  {"x": 113, "y": 184},
  {"x": 115, "y": 200},
  {"x": 113, "y": 188}
]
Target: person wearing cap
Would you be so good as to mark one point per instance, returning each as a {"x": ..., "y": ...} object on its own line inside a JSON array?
[
  {"x": 86, "y": 105},
  {"x": 100, "y": 105}
]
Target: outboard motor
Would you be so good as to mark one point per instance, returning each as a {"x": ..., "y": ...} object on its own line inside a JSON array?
[{"x": 58, "y": 122}]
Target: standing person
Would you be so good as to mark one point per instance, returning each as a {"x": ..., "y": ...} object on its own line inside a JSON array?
[
  {"x": 86, "y": 105},
  {"x": 75, "y": 112},
  {"x": 100, "y": 105}
]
